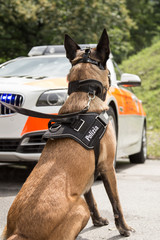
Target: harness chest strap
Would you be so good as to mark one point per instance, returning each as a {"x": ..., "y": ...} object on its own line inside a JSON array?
[{"x": 86, "y": 129}]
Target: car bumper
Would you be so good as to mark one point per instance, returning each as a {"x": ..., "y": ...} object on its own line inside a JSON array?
[
  {"x": 27, "y": 148},
  {"x": 18, "y": 157}
]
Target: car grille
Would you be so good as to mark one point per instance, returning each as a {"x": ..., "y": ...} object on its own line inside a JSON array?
[
  {"x": 14, "y": 99},
  {"x": 9, "y": 145},
  {"x": 31, "y": 149},
  {"x": 31, "y": 143}
]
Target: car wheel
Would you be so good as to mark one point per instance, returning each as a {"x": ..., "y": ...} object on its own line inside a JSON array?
[
  {"x": 112, "y": 118},
  {"x": 141, "y": 156}
]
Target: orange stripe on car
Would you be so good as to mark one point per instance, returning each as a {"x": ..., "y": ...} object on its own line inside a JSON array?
[{"x": 35, "y": 124}]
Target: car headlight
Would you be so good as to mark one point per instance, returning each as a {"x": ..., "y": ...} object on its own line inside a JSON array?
[{"x": 52, "y": 98}]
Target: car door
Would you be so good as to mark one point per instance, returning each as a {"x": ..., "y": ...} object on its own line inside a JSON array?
[{"x": 130, "y": 121}]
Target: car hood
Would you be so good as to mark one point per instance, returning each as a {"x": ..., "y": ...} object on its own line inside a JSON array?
[{"x": 33, "y": 83}]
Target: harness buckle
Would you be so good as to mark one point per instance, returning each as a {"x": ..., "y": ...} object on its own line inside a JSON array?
[
  {"x": 90, "y": 98},
  {"x": 54, "y": 127},
  {"x": 103, "y": 118},
  {"x": 86, "y": 55},
  {"x": 79, "y": 125}
]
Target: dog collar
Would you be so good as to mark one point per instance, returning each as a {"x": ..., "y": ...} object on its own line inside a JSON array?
[{"x": 91, "y": 86}]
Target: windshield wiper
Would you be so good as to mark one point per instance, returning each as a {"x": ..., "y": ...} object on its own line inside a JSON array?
[
  {"x": 6, "y": 76},
  {"x": 25, "y": 76}
]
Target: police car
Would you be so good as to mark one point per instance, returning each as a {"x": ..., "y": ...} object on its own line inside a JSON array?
[{"x": 39, "y": 82}]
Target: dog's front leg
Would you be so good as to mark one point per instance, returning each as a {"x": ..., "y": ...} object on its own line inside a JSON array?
[
  {"x": 95, "y": 215},
  {"x": 110, "y": 183}
]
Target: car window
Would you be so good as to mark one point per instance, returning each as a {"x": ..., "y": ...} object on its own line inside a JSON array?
[{"x": 36, "y": 67}]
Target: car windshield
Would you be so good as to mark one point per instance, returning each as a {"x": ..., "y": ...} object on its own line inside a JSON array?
[{"x": 36, "y": 67}]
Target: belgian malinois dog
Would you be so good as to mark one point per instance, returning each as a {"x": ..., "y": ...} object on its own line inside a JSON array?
[{"x": 49, "y": 205}]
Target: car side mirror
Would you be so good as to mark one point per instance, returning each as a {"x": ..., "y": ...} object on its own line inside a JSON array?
[{"x": 129, "y": 80}]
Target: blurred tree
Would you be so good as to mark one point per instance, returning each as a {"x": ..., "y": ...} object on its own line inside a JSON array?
[
  {"x": 21, "y": 25},
  {"x": 156, "y": 6},
  {"x": 146, "y": 15},
  {"x": 24, "y": 24},
  {"x": 85, "y": 20}
]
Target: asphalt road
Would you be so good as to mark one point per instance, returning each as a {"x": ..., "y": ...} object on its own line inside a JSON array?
[{"x": 139, "y": 190}]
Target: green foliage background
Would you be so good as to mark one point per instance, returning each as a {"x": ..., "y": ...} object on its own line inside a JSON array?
[
  {"x": 24, "y": 24},
  {"x": 147, "y": 65},
  {"x": 132, "y": 25}
]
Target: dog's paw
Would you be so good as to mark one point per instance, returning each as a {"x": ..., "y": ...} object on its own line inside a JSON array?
[
  {"x": 122, "y": 226},
  {"x": 126, "y": 232},
  {"x": 100, "y": 222}
]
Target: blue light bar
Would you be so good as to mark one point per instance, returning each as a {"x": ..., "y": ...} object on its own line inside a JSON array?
[
  {"x": 4, "y": 98},
  {"x": 14, "y": 99},
  {"x": 8, "y": 98}
]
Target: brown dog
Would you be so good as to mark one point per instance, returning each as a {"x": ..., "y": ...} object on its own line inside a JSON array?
[{"x": 49, "y": 206}]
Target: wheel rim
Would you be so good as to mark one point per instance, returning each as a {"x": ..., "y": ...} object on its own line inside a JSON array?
[
  {"x": 144, "y": 143},
  {"x": 113, "y": 123},
  {"x": 114, "y": 127}
]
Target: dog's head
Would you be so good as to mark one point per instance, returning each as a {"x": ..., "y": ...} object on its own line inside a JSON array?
[{"x": 99, "y": 55}]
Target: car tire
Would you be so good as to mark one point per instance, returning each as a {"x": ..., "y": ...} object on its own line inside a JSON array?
[
  {"x": 113, "y": 120},
  {"x": 141, "y": 156}
]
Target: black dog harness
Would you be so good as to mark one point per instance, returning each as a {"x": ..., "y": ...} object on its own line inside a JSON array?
[{"x": 86, "y": 129}]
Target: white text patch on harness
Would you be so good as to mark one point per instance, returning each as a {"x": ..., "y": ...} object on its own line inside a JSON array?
[{"x": 91, "y": 133}]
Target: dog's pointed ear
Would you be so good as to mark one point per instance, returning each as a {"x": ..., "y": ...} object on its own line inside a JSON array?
[
  {"x": 71, "y": 47},
  {"x": 103, "y": 49}
]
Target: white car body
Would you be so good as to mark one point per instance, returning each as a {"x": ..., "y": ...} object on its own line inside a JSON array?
[{"x": 18, "y": 142}]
